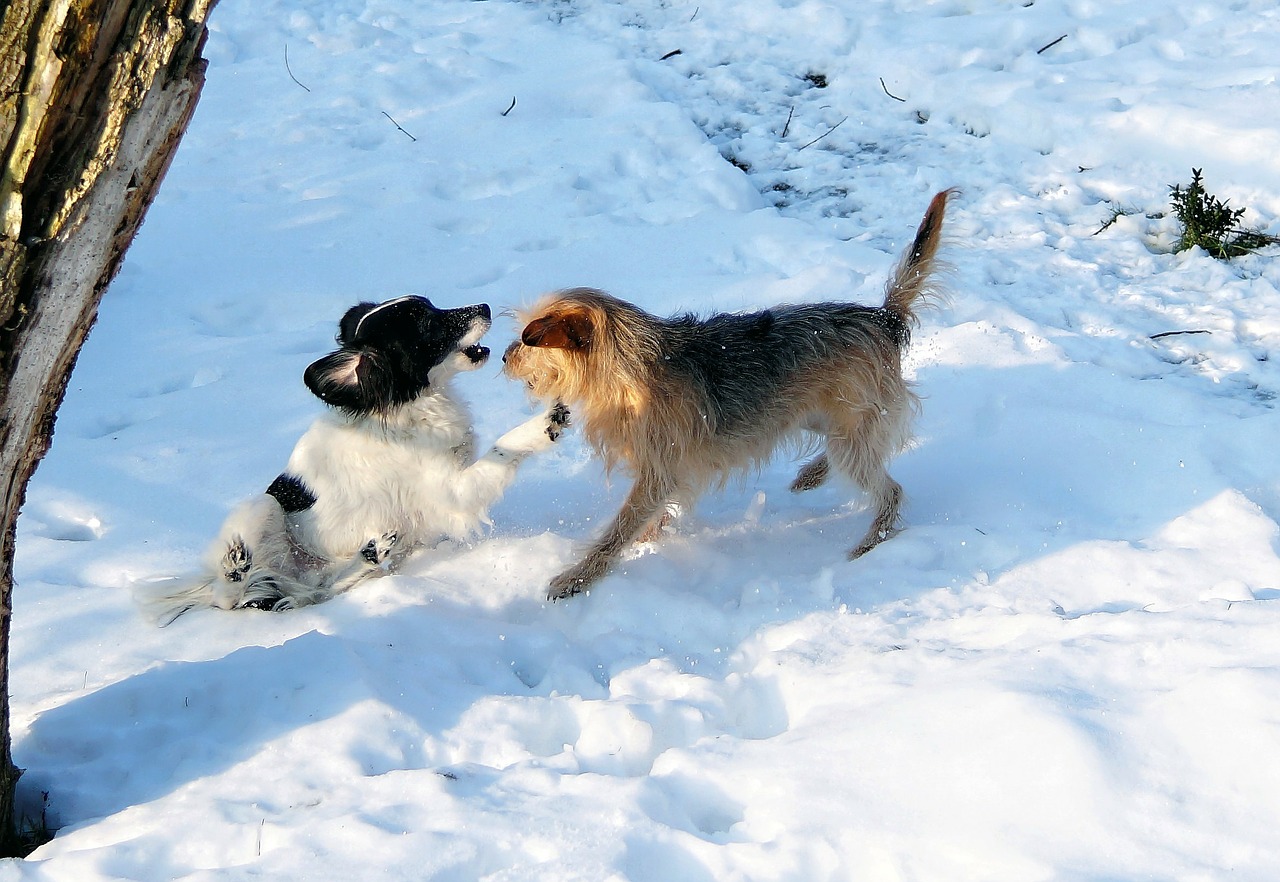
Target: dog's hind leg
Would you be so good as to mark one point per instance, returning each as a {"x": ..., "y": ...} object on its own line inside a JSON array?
[
  {"x": 237, "y": 562},
  {"x": 887, "y": 498},
  {"x": 642, "y": 505},
  {"x": 812, "y": 474},
  {"x": 861, "y": 452},
  {"x": 241, "y": 583},
  {"x": 366, "y": 563},
  {"x": 254, "y": 562},
  {"x": 314, "y": 584}
]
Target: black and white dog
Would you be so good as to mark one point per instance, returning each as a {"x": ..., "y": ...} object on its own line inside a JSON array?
[{"x": 390, "y": 467}]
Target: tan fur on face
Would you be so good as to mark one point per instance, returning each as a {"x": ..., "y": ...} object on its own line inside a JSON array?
[
  {"x": 586, "y": 351},
  {"x": 684, "y": 403}
]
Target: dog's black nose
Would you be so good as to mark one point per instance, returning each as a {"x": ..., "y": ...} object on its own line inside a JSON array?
[{"x": 485, "y": 311}]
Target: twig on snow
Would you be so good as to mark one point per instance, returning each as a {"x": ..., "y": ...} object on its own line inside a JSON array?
[
  {"x": 695, "y": 13},
  {"x": 890, "y": 94},
  {"x": 1115, "y": 217},
  {"x": 1176, "y": 333},
  {"x": 512, "y": 107},
  {"x": 824, "y": 134},
  {"x": 672, "y": 54},
  {"x": 290, "y": 70},
  {"x": 398, "y": 126},
  {"x": 1048, "y": 46},
  {"x": 787, "y": 127}
]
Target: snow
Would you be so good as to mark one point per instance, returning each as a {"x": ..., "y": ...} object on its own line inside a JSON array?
[{"x": 1066, "y": 668}]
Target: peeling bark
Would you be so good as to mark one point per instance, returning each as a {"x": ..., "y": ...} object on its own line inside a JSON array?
[{"x": 94, "y": 98}]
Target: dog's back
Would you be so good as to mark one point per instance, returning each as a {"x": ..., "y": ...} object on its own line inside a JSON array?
[
  {"x": 751, "y": 370},
  {"x": 744, "y": 372}
]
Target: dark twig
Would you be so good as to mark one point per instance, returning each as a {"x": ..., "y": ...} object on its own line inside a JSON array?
[
  {"x": 824, "y": 134},
  {"x": 289, "y": 70},
  {"x": 1116, "y": 214},
  {"x": 787, "y": 127},
  {"x": 672, "y": 54},
  {"x": 512, "y": 107},
  {"x": 398, "y": 126},
  {"x": 890, "y": 94},
  {"x": 1046, "y": 47},
  {"x": 1176, "y": 333},
  {"x": 695, "y": 13}
]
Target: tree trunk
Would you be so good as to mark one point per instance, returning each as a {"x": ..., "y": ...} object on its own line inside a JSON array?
[{"x": 94, "y": 97}]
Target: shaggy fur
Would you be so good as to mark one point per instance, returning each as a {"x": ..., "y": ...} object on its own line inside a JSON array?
[
  {"x": 389, "y": 468},
  {"x": 684, "y": 403}
]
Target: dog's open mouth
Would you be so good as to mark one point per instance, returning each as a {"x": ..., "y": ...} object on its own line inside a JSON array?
[{"x": 477, "y": 353}]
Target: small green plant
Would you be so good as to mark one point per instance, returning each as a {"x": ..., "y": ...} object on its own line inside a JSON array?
[{"x": 1211, "y": 224}]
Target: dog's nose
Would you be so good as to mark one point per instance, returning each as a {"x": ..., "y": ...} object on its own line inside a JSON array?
[{"x": 485, "y": 311}]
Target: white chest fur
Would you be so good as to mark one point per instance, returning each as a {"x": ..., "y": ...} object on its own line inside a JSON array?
[{"x": 372, "y": 476}]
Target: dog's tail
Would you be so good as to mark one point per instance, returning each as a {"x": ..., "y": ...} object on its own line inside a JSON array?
[
  {"x": 915, "y": 279},
  {"x": 162, "y": 601}
]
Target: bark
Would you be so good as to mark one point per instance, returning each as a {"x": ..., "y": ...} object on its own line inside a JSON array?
[{"x": 94, "y": 97}]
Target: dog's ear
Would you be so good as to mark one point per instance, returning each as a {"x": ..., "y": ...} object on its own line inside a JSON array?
[
  {"x": 358, "y": 382},
  {"x": 568, "y": 329},
  {"x": 351, "y": 320}
]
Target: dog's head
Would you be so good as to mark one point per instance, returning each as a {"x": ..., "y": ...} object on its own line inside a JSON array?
[
  {"x": 587, "y": 349},
  {"x": 553, "y": 353},
  {"x": 390, "y": 353}
]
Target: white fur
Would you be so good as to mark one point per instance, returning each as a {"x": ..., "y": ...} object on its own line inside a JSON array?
[{"x": 397, "y": 481}]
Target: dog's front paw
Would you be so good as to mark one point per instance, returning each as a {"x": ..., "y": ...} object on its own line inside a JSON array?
[
  {"x": 237, "y": 562},
  {"x": 375, "y": 551},
  {"x": 557, "y": 421},
  {"x": 563, "y": 586},
  {"x": 575, "y": 580}
]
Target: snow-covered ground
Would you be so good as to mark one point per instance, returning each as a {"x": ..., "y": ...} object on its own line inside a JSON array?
[{"x": 1066, "y": 668}]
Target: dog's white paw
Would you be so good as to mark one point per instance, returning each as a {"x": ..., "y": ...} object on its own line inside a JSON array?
[
  {"x": 534, "y": 435},
  {"x": 375, "y": 551},
  {"x": 237, "y": 562},
  {"x": 557, "y": 421}
]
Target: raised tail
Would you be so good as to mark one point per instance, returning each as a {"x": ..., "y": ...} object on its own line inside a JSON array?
[{"x": 914, "y": 280}]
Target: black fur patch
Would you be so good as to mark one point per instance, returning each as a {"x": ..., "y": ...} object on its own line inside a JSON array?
[
  {"x": 898, "y": 329},
  {"x": 293, "y": 495},
  {"x": 388, "y": 351}
]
